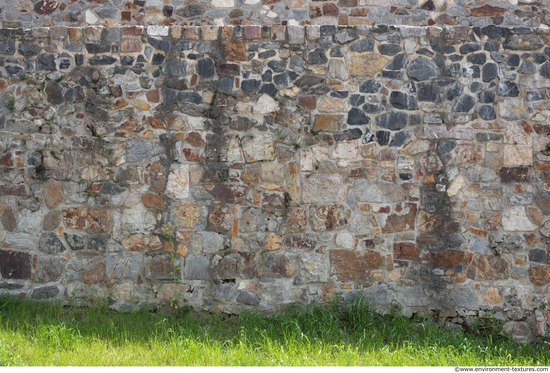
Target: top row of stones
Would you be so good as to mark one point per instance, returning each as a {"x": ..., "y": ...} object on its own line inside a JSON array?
[{"x": 290, "y": 34}]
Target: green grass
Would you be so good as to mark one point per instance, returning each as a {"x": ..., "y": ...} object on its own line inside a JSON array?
[{"x": 50, "y": 334}]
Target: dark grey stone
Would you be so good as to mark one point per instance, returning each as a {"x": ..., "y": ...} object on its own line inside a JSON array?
[
  {"x": 356, "y": 100},
  {"x": 251, "y": 85},
  {"x": 444, "y": 146},
  {"x": 45, "y": 62},
  {"x": 393, "y": 120},
  {"x": 226, "y": 84},
  {"x": 453, "y": 91},
  {"x": 111, "y": 188},
  {"x": 277, "y": 66},
  {"x": 477, "y": 58},
  {"x": 50, "y": 244},
  {"x": 487, "y": 136},
  {"x": 535, "y": 95},
  {"x": 423, "y": 69},
  {"x": 507, "y": 89},
  {"x": 487, "y": 112},
  {"x": 45, "y": 292},
  {"x": 369, "y": 86},
  {"x": 97, "y": 242},
  {"x": 75, "y": 241},
  {"x": 270, "y": 89},
  {"x": 174, "y": 67},
  {"x": 399, "y": 139},
  {"x": 249, "y": 299},
  {"x": 163, "y": 45},
  {"x": 401, "y": 101},
  {"x": 383, "y": 137},
  {"x": 398, "y": 62},
  {"x": 102, "y": 60},
  {"x": 317, "y": 56},
  {"x": 192, "y": 97},
  {"x": 357, "y": 117},
  {"x": 465, "y": 104},
  {"x": 527, "y": 67},
  {"x": 54, "y": 93},
  {"x": 28, "y": 50},
  {"x": 389, "y": 49},
  {"x": 7, "y": 47},
  {"x": 348, "y": 135},
  {"x": 364, "y": 45},
  {"x": 429, "y": 92},
  {"x": 267, "y": 54},
  {"x": 453, "y": 70},
  {"x": 469, "y": 48},
  {"x": 205, "y": 67},
  {"x": 538, "y": 256}
]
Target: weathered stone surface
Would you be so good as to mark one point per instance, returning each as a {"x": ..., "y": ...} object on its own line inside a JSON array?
[
  {"x": 352, "y": 266},
  {"x": 323, "y": 188},
  {"x": 139, "y": 242},
  {"x": 515, "y": 219},
  {"x": 327, "y": 218},
  {"x": 177, "y": 186}
]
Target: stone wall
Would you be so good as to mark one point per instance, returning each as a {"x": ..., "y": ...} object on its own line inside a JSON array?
[
  {"x": 289, "y": 163},
  {"x": 19, "y": 13}
]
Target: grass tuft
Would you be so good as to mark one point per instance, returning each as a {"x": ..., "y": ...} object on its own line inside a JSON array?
[{"x": 33, "y": 333}]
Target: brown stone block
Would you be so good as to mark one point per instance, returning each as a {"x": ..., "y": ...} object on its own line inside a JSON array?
[
  {"x": 405, "y": 250},
  {"x": 350, "y": 265},
  {"x": 234, "y": 50},
  {"x": 448, "y": 258},
  {"x": 15, "y": 265}
]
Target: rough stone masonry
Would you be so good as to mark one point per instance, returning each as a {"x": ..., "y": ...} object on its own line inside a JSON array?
[{"x": 289, "y": 163}]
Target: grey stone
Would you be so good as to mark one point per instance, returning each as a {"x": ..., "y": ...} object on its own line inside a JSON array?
[
  {"x": 401, "y": 101},
  {"x": 45, "y": 292},
  {"x": 393, "y": 120},
  {"x": 364, "y": 45},
  {"x": 139, "y": 150},
  {"x": 174, "y": 67},
  {"x": 368, "y": 191},
  {"x": 45, "y": 62},
  {"x": 205, "y": 67},
  {"x": 28, "y": 50},
  {"x": 357, "y": 117},
  {"x": 507, "y": 89},
  {"x": 249, "y": 299},
  {"x": 50, "y": 244},
  {"x": 423, "y": 69},
  {"x": 389, "y": 49},
  {"x": 75, "y": 241},
  {"x": 196, "y": 267},
  {"x": 465, "y": 103},
  {"x": 344, "y": 37},
  {"x": 317, "y": 56}
]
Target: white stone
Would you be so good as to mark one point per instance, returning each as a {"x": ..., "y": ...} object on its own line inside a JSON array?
[
  {"x": 345, "y": 150},
  {"x": 306, "y": 160},
  {"x": 265, "y": 105},
  {"x": 223, "y": 3},
  {"x": 90, "y": 18},
  {"x": 321, "y": 152},
  {"x": 138, "y": 219},
  {"x": 178, "y": 183},
  {"x": 455, "y": 186},
  {"x": 516, "y": 220},
  {"x": 345, "y": 240},
  {"x": 157, "y": 30}
]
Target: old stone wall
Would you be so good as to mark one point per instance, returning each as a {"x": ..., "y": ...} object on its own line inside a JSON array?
[
  {"x": 289, "y": 163},
  {"x": 19, "y": 13}
]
